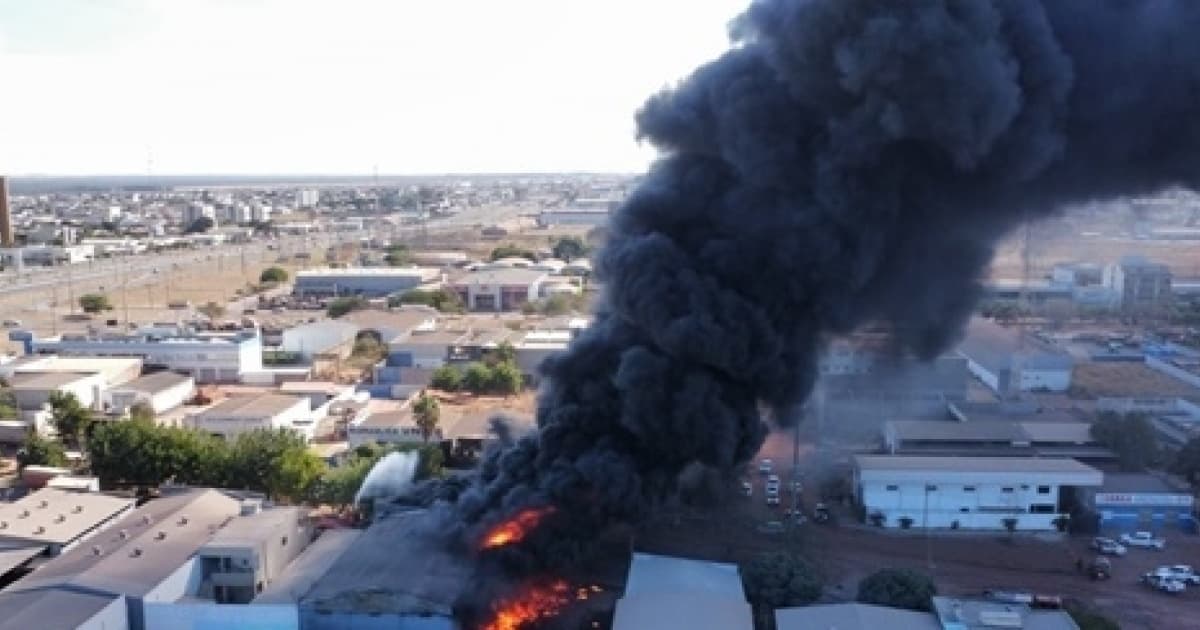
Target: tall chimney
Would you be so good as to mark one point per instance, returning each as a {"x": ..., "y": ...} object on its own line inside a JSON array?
[{"x": 6, "y": 230}]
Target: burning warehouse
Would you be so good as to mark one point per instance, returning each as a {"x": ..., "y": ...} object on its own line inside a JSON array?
[
  {"x": 847, "y": 163},
  {"x": 394, "y": 576}
]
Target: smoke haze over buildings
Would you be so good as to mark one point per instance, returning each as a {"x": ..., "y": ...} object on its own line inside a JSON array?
[{"x": 847, "y": 162}]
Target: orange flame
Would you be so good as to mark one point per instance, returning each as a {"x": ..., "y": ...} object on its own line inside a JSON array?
[
  {"x": 535, "y": 602},
  {"x": 515, "y": 529}
]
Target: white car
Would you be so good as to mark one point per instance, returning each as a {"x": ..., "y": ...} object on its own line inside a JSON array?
[
  {"x": 773, "y": 479},
  {"x": 1145, "y": 540},
  {"x": 1163, "y": 583},
  {"x": 1181, "y": 572},
  {"x": 765, "y": 466},
  {"x": 12, "y": 323},
  {"x": 772, "y": 499},
  {"x": 1108, "y": 547},
  {"x": 747, "y": 488}
]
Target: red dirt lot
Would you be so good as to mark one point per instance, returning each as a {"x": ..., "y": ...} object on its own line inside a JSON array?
[{"x": 961, "y": 563}]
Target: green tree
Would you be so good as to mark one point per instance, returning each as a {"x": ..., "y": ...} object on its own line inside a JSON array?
[
  {"x": 142, "y": 412},
  {"x": 447, "y": 378},
  {"x": 70, "y": 418},
  {"x": 271, "y": 461},
  {"x": 444, "y": 300},
  {"x": 505, "y": 379},
  {"x": 1089, "y": 619},
  {"x": 898, "y": 588},
  {"x": 199, "y": 226},
  {"x": 8, "y": 403},
  {"x": 342, "y": 306},
  {"x": 512, "y": 251},
  {"x": 477, "y": 379},
  {"x": 212, "y": 310},
  {"x": 1131, "y": 437},
  {"x": 1186, "y": 462},
  {"x": 38, "y": 451},
  {"x": 427, "y": 413},
  {"x": 398, "y": 256},
  {"x": 94, "y": 303},
  {"x": 273, "y": 274},
  {"x": 504, "y": 353},
  {"x": 779, "y": 579},
  {"x": 569, "y": 248},
  {"x": 298, "y": 471}
]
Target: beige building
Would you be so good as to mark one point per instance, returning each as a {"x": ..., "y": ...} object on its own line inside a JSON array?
[
  {"x": 246, "y": 555},
  {"x": 241, "y": 414}
]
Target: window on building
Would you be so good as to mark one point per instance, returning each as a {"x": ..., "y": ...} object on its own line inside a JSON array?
[
  {"x": 283, "y": 541},
  {"x": 893, "y": 488},
  {"x": 1006, "y": 490},
  {"x": 1041, "y": 508},
  {"x": 968, "y": 488},
  {"x": 964, "y": 510},
  {"x": 930, "y": 488},
  {"x": 1043, "y": 489}
]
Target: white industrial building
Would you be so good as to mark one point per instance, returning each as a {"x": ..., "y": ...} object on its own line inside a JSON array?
[
  {"x": 241, "y": 414},
  {"x": 51, "y": 521},
  {"x": 499, "y": 289},
  {"x": 207, "y": 357},
  {"x": 163, "y": 391},
  {"x": 387, "y": 428},
  {"x": 364, "y": 281},
  {"x": 33, "y": 391},
  {"x": 966, "y": 492},
  {"x": 1008, "y": 362},
  {"x": 107, "y": 582},
  {"x": 315, "y": 338}
]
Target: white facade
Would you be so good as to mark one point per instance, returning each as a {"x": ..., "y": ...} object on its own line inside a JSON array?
[
  {"x": 208, "y": 359},
  {"x": 967, "y": 492},
  {"x": 386, "y": 428},
  {"x": 1052, "y": 379},
  {"x": 318, "y": 337},
  {"x": 240, "y": 415},
  {"x": 87, "y": 388},
  {"x": 307, "y": 198},
  {"x": 164, "y": 399}
]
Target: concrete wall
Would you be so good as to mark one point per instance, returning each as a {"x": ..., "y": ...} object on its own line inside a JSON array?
[
  {"x": 88, "y": 389},
  {"x": 208, "y": 616}
]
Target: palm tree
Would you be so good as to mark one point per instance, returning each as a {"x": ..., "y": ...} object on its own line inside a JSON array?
[{"x": 426, "y": 413}]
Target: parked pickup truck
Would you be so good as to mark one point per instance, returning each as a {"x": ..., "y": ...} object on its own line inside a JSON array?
[
  {"x": 1182, "y": 572},
  {"x": 1145, "y": 540}
]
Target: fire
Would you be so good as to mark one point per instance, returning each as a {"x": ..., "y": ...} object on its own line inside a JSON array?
[
  {"x": 535, "y": 602},
  {"x": 516, "y": 528}
]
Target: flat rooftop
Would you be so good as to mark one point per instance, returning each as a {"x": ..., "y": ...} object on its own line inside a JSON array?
[
  {"x": 154, "y": 383},
  {"x": 853, "y": 616},
  {"x": 252, "y": 407},
  {"x": 266, "y": 524},
  {"x": 916, "y": 463},
  {"x": 299, "y": 577},
  {"x": 58, "y": 516},
  {"x": 46, "y": 380}
]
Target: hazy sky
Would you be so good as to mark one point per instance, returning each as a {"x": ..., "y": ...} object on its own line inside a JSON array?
[{"x": 339, "y": 86}]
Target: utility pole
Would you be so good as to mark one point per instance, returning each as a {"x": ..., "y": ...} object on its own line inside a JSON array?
[{"x": 70, "y": 289}]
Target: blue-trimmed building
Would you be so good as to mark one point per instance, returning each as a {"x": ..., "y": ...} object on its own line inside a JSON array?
[{"x": 1138, "y": 501}]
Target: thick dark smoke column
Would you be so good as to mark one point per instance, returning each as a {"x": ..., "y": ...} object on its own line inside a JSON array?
[{"x": 846, "y": 162}]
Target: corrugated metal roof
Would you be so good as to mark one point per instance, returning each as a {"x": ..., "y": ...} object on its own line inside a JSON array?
[
  {"x": 971, "y": 464},
  {"x": 853, "y": 617},
  {"x": 58, "y": 516},
  {"x": 252, "y": 407}
]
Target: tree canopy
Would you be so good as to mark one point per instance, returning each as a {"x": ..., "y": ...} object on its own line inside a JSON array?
[
  {"x": 398, "y": 256},
  {"x": 898, "y": 588},
  {"x": 447, "y": 378},
  {"x": 512, "y": 251},
  {"x": 70, "y": 418},
  {"x": 443, "y": 300},
  {"x": 779, "y": 579},
  {"x": 200, "y": 225},
  {"x": 38, "y": 451},
  {"x": 427, "y": 413},
  {"x": 94, "y": 303},
  {"x": 1130, "y": 436},
  {"x": 273, "y": 274},
  {"x": 569, "y": 248},
  {"x": 344, "y": 305},
  {"x": 1186, "y": 462}
]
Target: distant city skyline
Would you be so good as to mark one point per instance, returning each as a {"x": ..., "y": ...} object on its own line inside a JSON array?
[{"x": 135, "y": 87}]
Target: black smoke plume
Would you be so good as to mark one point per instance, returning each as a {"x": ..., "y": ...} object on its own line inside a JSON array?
[{"x": 846, "y": 162}]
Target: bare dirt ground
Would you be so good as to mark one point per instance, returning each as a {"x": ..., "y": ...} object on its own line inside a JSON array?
[
  {"x": 1127, "y": 379},
  {"x": 960, "y": 563}
]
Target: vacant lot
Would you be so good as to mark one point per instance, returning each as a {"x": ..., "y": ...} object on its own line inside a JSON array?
[{"x": 1095, "y": 379}]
